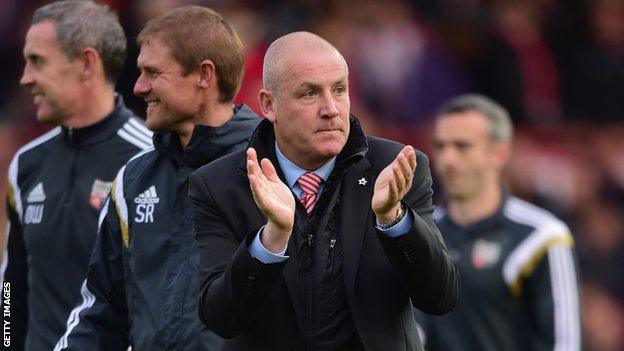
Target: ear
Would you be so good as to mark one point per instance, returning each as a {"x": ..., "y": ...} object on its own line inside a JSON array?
[
  {"x": 90, "y": 63},
  {"x": 501, "y": 153},
  {"x": 207, "y": 74},
  {"x": 267, "y": 104}
]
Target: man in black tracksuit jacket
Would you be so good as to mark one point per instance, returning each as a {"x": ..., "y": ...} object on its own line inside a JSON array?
[
  {"x": 519, "y": 283},
  {"x": 142, "y": 285},
  {"x": 519, "y": 288},
  {"x": 58, "y": 183}
]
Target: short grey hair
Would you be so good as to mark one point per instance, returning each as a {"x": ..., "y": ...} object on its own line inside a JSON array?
[
  {"x": 501, "y": 128},
  {"x": 83, "y": 23},
  {"x": 302, "y": 42}
]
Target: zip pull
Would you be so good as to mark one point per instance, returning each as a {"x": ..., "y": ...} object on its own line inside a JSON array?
[
  {"x": 308, "y": 252},
  {"x": 69, "y": 135},
  {"x": 332, "y": 243}
]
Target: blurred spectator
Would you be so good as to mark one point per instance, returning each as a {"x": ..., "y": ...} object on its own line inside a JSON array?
[
  {"x": 404, "y": 72},
  {"x": 594, "y": 66},
  {"x": 518, "y": 67},
  {"x": 601, "y": 229},
  {"x": 603, "y": 321},
  {"x": 252, "y": 28}
]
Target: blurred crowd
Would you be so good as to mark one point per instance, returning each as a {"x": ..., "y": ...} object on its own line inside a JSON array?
[{"x": 557, "y": 66}]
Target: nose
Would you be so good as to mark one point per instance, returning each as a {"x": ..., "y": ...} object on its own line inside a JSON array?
[
  {"x": 141, "y": 87},
  {"x": 329, "y": 108},
  {"x": 27, "y": 78}
]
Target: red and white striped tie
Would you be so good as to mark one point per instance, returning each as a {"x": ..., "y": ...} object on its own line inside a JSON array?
[{"x": 310, "y": 183}]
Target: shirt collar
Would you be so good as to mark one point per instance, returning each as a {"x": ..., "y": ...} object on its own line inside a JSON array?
[
  {"x": 101, "y": 130},
  {"x": 292, "y": 172}
]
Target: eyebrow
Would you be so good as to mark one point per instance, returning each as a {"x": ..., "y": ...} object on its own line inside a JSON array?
[
  {"x": 146, "y": 67},
  {"x": 32, "y": 56},
  {"x": 306, "y": 85},
  {"x": 314, "y": 85}
]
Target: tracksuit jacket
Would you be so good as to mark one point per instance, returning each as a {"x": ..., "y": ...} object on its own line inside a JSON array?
[
  {"x": 142, "y": 285},
  {"x": 519, "y": 283},
  {"x": 58, "y": 183}
]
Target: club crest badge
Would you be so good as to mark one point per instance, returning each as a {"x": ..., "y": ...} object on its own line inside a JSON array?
[
  {"x": 485, "y": 254},
  {"x": 99, "y": 193}
]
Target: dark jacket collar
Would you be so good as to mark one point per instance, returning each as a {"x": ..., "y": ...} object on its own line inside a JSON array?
[
  {"x": 101, "y": 130},
  {"x": 263, "y": 141},
  {"x": 208, "y": 143}
]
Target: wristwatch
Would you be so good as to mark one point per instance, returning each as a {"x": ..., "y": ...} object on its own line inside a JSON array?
[{"x": 399, "y": 217}]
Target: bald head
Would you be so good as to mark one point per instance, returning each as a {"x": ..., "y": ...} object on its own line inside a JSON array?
[{"x": 286, "y": 50}]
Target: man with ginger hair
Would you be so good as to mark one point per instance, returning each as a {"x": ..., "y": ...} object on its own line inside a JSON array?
[
  {"x": 331, "y": 239},
  {"x": 141, "y": 288}
]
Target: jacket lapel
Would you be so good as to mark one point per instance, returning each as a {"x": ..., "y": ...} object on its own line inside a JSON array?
[{"x": 357, "y": 192}]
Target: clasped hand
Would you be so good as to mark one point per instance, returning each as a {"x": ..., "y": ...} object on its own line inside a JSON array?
[{"x": 276, "y": 200}]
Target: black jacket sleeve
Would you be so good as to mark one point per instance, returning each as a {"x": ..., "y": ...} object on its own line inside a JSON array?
[
  {"x": 233, "y": 284},
  {"x": 100, "y": 321},
  {"x": 420, "y": 257},
  {"x": 15, "y": 279}
]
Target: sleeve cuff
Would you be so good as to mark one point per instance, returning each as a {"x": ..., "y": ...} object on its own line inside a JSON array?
[
  {"x": 400, "y": 228},
  {"x": 263, "y": 255}
]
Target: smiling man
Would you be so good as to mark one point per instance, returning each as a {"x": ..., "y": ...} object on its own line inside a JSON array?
[
  {"x": 58, "y": 183},
  {"x": 142, "y": 285},
  {"x": 330, "y": 238}
]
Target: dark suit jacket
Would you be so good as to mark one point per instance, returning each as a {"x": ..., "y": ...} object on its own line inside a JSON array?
[{"x": 258, "y": 306}]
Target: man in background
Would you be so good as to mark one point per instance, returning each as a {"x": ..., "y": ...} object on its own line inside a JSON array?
[
  {"x": 142, "y": 284},
  {"x": 519, "y": 283},
  {"x": 58, "y": 183}
]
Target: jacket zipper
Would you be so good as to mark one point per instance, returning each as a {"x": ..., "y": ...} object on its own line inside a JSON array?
[
  {"x": 308, "y": 289},
  {"x": 332, "y": 243},
  {"x": 309, "y": 252},
  {"x": 72, "y": 178}
]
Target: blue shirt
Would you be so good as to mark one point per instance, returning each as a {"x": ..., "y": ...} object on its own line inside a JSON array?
[{"x": 292, "y": 173}]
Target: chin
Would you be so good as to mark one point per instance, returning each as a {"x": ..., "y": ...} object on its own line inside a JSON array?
[
  {"x": 43, "y": 118},
  {"x": 332, "y": 147},
  {"x": 329, "y": 152},
  {"x": 48, "y": 118},
  {"x": 154, "y": 124},
  {"x": 456, "y": 192}
]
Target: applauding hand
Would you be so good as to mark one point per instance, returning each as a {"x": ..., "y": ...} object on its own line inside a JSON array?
[
  {"x": 274, "y": 199},
  {"x": 392, "y": 185}
]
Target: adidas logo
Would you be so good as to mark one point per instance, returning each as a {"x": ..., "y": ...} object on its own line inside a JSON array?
[
  {"x": 37, "y": 194},
  {"x": 147, "y": 197}
]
